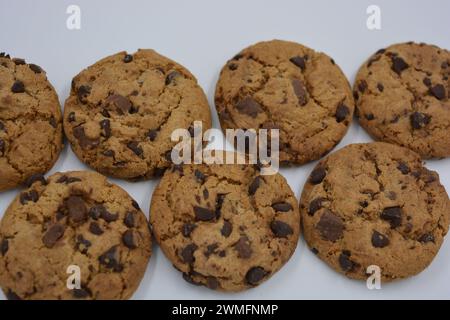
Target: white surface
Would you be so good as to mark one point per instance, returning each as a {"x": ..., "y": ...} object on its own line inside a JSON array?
[{"x": 202, "y": 35}]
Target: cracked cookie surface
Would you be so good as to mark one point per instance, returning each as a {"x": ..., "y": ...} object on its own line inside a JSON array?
[
  {"x": 287, "y": 86},
  {"x": 122, "y": 110},
  {"x": 30, "y": 122},
  {"x": 225, "y": 226},
  {"x": 374, "y": 204},
  {"x": 402, "y": 97},
  {"x": 73, "y": 218}
]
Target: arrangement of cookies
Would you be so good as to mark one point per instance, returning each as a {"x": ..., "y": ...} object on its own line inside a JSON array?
[{"x": 225, "y": 227}]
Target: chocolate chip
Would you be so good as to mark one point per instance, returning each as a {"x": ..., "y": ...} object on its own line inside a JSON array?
[
  {"x": 427, "y": 81},
  {"x": 76, "y": 208},
  {"x": 403, "y": 167},
  {"x": 134, "y": 146},
  {"x": 2, "y": 146},
  {"x": 300, "y": 91},
  {"x": 227, "y": 228},
  {"x": 212, "y": 283},
  {"x": 362, "y": 86},
  {"x": 438, "y": 91},
  {"x": 72, "y": 180},
  {"x": 29, "y": 196},
  {"x": 171, "y": 76},
  {"x": 108, "y": 216},
  {"x": 187, "y": 229},
  {"x": 330, "y": 226},
  {"x": 83, "y": 92},
  {"x": 188, "y": 278},
  {"x": 81, "y": 293},
  {"x": 427, "y": 237},
  {"x": 380, "y": 87},
  {"x": 210, "y": 249},
  {"x": 94, "y": 228},
  {"x": 317, "y": 175},
  {"x": 187, "y": 254},
  {"x": 205, "y": 194},
  {"x": 129, "y": 220},
  {"x": 53, "y": 234},
  {"x": 84, "y": 141},
  {"x": 4, "y": 246},
  {"x": 393, "y": 215},
  {"x": 135, "y": 205},
  {"x": 379, "y": 240},
  {"x": 282, "y": 206},
  {"x": 151, "y": 134},
  {"x": 398, "y": 64},
  {"x": 35, "y": 178},
  {"x": 345, "y": 262},
  {"x": 52, "y": 122},
  {"x": 18, "y": 61},
  {"x": 18, "y": 87},
  {"x": 2, "y": 126},
  {"x": 243, "y": 248},
  {"x": 128, "y": 239},
  {"x": 128, "y": 58},
  {"x": 299, "y": 62},
  {"x": 121, "y": 103},
  {"x": 369, "y": 116},
  {"x": 109, "y": 153},
  {"x": 71, "y": 117},
  {"x": 232, "y": 66},
  {"x": 83, "y": 244},
  {"x": 314, "y": 250},
  {"x": 315, "y": 205},
  {"x": 110, "y": 259},
  {"x": 105, "y": 113},
  {"x": 96, "y": 211},
  {"x": 204, "y": 214},
  {"x": 254, "y": 186},
  {"x": 11, "y": 295},
  {"x": 281, "y": 229},
  {"x": 106, "y": 127},
  {"x": 255, "y": 275},
  {"x": 200, "y": 176},
  {"x": 342, "y": 112},
  {"x": 419, "y": 120},
  {"x": 249, "y": 106},
  {"x": 35, "y": 68}
]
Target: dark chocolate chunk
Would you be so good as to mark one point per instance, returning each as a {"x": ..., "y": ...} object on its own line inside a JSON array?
[
  {"x": 38, "y": 177},
  {"x": 35, "y": 68},
  {"x": 393, "y": 215},
  {"x": 120, "y": 103},
  {"x": 300, "y": 91},
  {"x": 427, "y": 237},
  {"x": 81, "y": 293},
  {"x": 403, "y": 167},
  {"x": 71, "y": 117},
  {"x": 398, "y": 64},
  {"x": 53, "y": 234},
  {"x": 134, "y": 146},
  {"x": 18, "y": 87},
  {"x": 94, "y": 228},
  {"x": 200, "y": 176},
  {"x": 315, "y": 205},
  {"x": 127, "y": 58},
  {"x": 129, "y": 240},
  {"x": 151, "y": 134},
  {"x": 282, "y": 206},
  {"x": 346, "y": 264},
  {"x": 342, "y": 112},
  {"x": 438, "y": 91},
  {"x": 106, "y": 127},
  {"x": 110, "y": 259},
  {"x": 84, "y": 141},
  {"x": 212, "y": 282},
  {"x": 243, "y": 248},
  {"x": 379, "y": 240},
  {"x": 4, "y": 246},
  {"x": 254, "y": 186},
  {"x": 187, "y": 229},
  {"x": 83, "y": 92},
  {"x": 330, "y": 226},
  {"x": 129, "y": 220},
  {"x": 227, "y": 228},
  {"x": 299, "y": 62},
  {"x": 249, "y": 106},
  {"x": 317, "y": 175},
  {"x": 83, "y": 244},
  {"x": 281, "y": 229},
  {"x": 255, "y": 275},
  {"x": 419, "y": 120},
  {"x": 204, "y": 214},
  {"x": 76, "y": 208},
  {"x": 171, "y": 76},
  {"x": 187, "y": 254}
]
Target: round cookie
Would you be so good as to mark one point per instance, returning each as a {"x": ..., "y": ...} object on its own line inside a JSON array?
[
  {"x": 374, "y": 204},
  {"x": 402, "y": 97},
  {"x": 122, "y": 110},
  {"x": 287, "y": 86},
  {"x": 225, "y": 226},
  {"x": 73, "y": 219},
  {"x": 30, "y": 122}
]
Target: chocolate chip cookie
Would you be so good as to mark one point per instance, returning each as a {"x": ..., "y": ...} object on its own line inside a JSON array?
[
  {"x": 402, "y": 97},
  {"x": 122, "y": 110},
  {"x": 374, "y": 204},
  {"x": 225, "y": 226},
  {"x": 287, "y": 86},
  {"x": 30, "y": 122},
  {"x": 75, "y": 219}
]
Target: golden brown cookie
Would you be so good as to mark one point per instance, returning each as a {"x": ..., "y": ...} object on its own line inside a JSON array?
[
  {"x": 287, "y": 86},
  {"x": 123, "y": 109},
  {"x": 374, "y": 204},
  {"x": 402, "y": 97},
  {"x": 30, "y": 122},
  {"x": 73, "y": 219},
  {"x": 225, "y": 226}
]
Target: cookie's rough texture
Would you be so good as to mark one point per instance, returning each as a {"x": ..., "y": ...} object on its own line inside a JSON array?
[
  {"x": 30, "y": 122},
  {"x": 73, "y": 218},
  {"x": 402, "y": 97},
  {"x": 122, "y": 110},
  {"x": 286, "y": 86},
  {"x": 225, "y": 226},
  {"x": 374, "y": 204}
]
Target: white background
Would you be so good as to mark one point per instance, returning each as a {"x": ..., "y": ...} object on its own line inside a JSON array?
[{"x": 202, "y": 35}]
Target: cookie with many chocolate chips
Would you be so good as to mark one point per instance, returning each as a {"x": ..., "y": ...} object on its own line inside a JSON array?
[
  {"x": 374, "y": 204},
  {"x": 402, "y": 96},
  {"x": 73, "y": 219},
  {"x": 287, "y": 86},
  {"x": 30, "y": 122},
  {"x": 122, "y": 111},
  {"x": 230, "y": 230}
]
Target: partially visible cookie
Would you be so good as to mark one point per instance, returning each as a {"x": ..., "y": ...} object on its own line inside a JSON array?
[
  {"x": 225, "y": 226},
  {"x": 374, "y": 204},
  {"x": 287, "y": 86},
  {"x": 402, "y": 97},
  {"x": 73, "y": 219},
  {"x": 30, "y": 122},
  {"x": 122, "y": 111}
]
